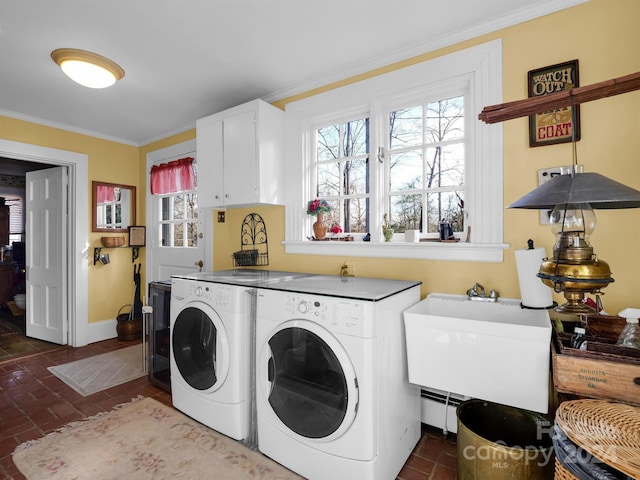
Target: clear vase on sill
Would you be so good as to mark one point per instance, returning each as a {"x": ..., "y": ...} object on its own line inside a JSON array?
[{"x": 319, "y": 227}]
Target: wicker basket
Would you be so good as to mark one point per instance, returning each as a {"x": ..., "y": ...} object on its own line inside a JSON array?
[
  {"x": 112, "y": 241},
  {"x": 607, "y": 430},
  {"x": 562, "y": 473}
]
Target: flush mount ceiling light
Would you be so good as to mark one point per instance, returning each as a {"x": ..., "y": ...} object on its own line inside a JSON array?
[{"x": 87, "y": 68}]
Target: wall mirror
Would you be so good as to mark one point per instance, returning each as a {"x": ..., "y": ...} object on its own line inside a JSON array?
[{"x": 113, "y": 207}]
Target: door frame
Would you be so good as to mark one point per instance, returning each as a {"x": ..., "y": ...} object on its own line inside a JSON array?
[{"x": 77, "y": 293}]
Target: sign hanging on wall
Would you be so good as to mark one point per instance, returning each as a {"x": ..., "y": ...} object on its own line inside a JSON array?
[{"x": 554, "y": 126}]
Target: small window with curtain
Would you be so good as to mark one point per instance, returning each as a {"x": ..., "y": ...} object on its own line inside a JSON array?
[{"x": 174, "y": 183}]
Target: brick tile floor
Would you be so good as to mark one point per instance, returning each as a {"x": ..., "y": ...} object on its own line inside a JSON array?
[{"x": 33, "y": 402}]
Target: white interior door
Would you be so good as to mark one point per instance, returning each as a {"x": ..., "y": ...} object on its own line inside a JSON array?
[{"x": 46, "y": 254}]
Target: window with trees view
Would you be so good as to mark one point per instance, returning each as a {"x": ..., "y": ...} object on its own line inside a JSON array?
[
  {"x": 179, "y": 222},
  {"x": 406, "y": 144},
  {"x": 424, "y": 167},
  {"x": 342, "y": 172}
]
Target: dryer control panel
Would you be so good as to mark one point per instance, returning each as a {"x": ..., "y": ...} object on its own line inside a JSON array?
[
  {"x": 351, "y": 317},
  {"x": 227, "y": 298}
]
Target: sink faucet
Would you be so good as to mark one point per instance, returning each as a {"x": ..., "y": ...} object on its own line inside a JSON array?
[
  {"x": 476, "y": 291},
  {"x": 477, "y": 294}
]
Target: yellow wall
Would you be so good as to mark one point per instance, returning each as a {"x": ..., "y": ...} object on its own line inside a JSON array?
[
  {"x": 110, "y": 287},
  {"x": 601, "y": 34}
]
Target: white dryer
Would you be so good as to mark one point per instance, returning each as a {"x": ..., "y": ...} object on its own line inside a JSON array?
[
  {"x": 212, "y": 355},
  {"x": 332, "y": 392}
]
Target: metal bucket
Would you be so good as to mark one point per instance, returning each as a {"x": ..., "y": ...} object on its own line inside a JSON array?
[
  {"x": 127, "y": 328},
  {"x": 497, "y": 442}
]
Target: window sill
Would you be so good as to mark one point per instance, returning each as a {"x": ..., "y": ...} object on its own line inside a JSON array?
[{"x": 460, "y": 252}]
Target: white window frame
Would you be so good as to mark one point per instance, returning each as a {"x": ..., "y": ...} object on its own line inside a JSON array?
[{"x": 480, "y": 68}]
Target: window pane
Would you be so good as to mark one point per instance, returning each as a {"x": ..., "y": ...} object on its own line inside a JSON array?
[
  {"x": 355, "y": 214},
  {"x": 109, "y": 214},
  {"x": 118, "y": 208},
  {"x": 178, "y": 207},
  {"x": 346, "y": 146},
  {"x": 333, "y": 216},
  {"x": 329, "y": 179},
  {"x": 447, "y": 206},
  {"x": 192, "y": 205},
  {"x": 406, "y": 128},
  {"x": 445, "y": 120},
  {"x": 328, "y": 143},
  {"x": 406, "y": 212},
  {"x": 192, "y": 228},
  {"x": 445, "y": 166},
  {"x": 355, "y": 177},
  {"x": 166, "y": 208},
  {"x": 405, "y": 171},
  {"x": 166, "y": 235},
  {"x": 178, "y": 235},
  {"x": 356, "y": 138}
]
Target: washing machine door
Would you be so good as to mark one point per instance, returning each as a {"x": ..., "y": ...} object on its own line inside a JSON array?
[
  {"x": 311, "y": 384},
  {"x": 200, "y": 347}
]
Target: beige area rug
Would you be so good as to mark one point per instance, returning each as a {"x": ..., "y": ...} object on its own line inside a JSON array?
[
  {"x": 93, "y": 374},
  {"x": 144, "y": 439}
]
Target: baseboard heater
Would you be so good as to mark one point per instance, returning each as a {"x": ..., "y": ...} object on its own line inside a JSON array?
[{"x": 438, "y": 408}]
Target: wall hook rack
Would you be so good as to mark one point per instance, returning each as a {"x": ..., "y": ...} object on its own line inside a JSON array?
[{"x": 98, "y": 257}]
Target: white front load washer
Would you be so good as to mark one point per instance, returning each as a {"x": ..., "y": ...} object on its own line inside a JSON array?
[
  {"x": 209, "y": 357},
  {"x": 332, "y": 392},
  {"x": 212, "y": 356}
]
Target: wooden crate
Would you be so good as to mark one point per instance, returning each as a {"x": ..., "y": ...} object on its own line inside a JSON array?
[{"x": 604, "y": 370}]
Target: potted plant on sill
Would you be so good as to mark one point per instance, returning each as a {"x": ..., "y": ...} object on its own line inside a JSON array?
[{"x": 318, "y": 208}]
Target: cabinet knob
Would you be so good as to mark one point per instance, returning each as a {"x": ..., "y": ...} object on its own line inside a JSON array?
[
  {"x": 217, "y": 196},
  {"x": 226, "y": 195}
]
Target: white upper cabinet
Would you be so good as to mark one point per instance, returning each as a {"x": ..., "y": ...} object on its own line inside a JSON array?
[{"x": 240, "y": 154}]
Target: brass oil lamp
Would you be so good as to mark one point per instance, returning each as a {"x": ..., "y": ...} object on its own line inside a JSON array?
[{"x": 575, "y": 269}]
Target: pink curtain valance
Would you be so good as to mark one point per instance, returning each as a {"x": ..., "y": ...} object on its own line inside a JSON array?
[
  {"x": 173, "y": 177},
  {"x": 106, "y": 194}
]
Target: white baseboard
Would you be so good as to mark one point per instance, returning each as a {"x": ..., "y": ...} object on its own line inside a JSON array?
[{"x": 103, "y": 330}]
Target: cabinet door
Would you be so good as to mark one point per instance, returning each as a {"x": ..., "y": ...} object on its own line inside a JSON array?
[
  {"x": 209, "y": 146},
  {"x": 240, "y": 159}
]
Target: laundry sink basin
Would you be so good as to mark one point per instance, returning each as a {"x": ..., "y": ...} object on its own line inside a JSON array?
[{"x": 493, "y": 351}]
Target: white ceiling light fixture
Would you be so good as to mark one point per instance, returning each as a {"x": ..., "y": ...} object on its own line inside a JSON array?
[{"x": 87, "y": 68}]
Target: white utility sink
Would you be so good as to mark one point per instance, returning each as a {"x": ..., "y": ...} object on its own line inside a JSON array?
[{"x": 493, "y": 351}]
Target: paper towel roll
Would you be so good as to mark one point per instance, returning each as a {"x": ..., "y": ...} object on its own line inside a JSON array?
[{"x": 533, "y": 292}]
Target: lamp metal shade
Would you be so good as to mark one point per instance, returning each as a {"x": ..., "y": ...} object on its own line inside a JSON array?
[{"x": 592, "y": 188}]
